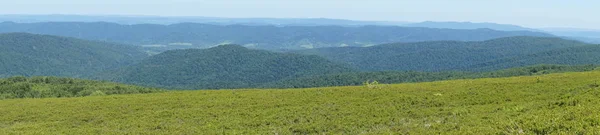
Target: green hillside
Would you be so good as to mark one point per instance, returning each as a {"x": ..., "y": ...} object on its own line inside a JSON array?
[
  {"x": 589, "y": 54},
  {"x": 439, "y": 55},
  {"x": 226, "y": 66},
  {"x": 44, "y": 87},
  {"x": 392, "y": 77},
  {"x": 565, "y": 103},
  {"x": 54, "y": 87},
  {"x": 41, "y": 55}
]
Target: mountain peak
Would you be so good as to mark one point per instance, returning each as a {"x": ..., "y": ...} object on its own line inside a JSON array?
[
  {"x": 228, "y": 48},
  {"x": 225, "y": 66}
]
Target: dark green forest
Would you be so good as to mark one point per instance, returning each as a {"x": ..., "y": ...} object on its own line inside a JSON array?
[
  {"x": 393, "y": 77},
  {"x": 226, "y": 66},
  {"x": 261, "y": 37},
  {"x": 55, "y": 87},
  {"x": 235, "y": 66},
  {"x": 23, "y": 54},
  {"x": 589, "y": 54},
  {"x": 446, "y": 55}
]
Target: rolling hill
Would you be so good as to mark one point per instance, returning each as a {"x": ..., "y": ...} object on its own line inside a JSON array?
[
  {"x": 43, "y": 55},
  {"x": 564, "y": 103},
  {"x": 393, "y": 77},
  {"x": 192, "y": 35},
  {"x": 589, "y": 54},
  {"x": 439, "y": 55},
  {"x": 225, "y": 66}
]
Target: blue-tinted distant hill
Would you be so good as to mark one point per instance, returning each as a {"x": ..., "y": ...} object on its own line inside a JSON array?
[
  {"x": 174, "y": 20},
  {"x": 194, "y": 35},
  {"x": 574, "y": 32},
  {"x": 469, "y": 25},
  {"x": 585, "y": 35}
]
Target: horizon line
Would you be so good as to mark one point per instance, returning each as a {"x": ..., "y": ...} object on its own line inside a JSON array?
[{"x": 284, "y": 18}]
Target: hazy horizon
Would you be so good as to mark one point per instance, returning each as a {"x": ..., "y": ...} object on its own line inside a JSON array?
[{"x": 531, "y": 13}]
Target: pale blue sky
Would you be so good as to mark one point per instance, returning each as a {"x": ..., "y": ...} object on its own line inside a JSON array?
[{"x": 530, "y": 13}]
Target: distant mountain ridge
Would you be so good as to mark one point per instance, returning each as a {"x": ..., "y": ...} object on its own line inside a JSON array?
[
  {"x": 130, "y": 20},
  {"x": 469, "y": 25},
  {"x": 586, "y": 35},
  {"x": 192, "y": 35}
]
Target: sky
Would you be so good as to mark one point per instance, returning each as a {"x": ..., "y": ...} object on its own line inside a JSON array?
[{"x": 529, "y": 13}]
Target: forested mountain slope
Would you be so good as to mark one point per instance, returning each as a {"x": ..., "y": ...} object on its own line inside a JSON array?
[
  {"x": 392, "y": 77},
  {"x": 439, "y": 55},
  {"x": 42, "y": 55},
  {"x": 192, "y": 35},
  {"x": 589, "y": 54},
  {"x": 226, "y": 66}
]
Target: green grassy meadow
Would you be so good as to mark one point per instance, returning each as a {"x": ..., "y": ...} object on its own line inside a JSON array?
[{"x": 564, "y": 103}]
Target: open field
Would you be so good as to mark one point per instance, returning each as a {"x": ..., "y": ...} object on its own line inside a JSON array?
[{"x": 565, "y": 103}]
